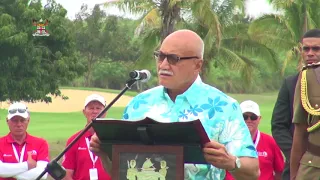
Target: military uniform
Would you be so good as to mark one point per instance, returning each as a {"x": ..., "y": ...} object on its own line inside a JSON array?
[{"x": 307, "y": 110}]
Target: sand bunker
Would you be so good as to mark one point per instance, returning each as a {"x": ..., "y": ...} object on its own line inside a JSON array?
[{"x": 74, "y": 103}]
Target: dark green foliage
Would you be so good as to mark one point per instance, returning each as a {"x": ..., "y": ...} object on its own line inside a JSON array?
[{"x": 33, "y": 67}]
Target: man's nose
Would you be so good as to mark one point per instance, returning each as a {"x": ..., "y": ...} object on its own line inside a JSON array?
[
  {"x": 164, "y": 64},
  {"x": 310, "y": 52}
]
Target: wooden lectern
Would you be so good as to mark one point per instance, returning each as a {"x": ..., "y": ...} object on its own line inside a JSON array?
[{"x": 148, "y": 149}]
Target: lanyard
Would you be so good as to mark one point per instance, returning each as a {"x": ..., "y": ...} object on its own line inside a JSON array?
[
  {"x": 257, "y": 139},
  {"x": 21, "y": 153},
  {"x": 91, "y": 154}
]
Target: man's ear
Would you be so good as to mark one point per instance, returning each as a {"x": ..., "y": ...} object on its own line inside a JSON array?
[{"x": 199, "y": 64}]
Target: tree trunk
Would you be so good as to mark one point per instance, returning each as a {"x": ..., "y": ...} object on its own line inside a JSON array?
[
  {"x": 305, "y": 17},
  {"x": 169, "y": 17}
]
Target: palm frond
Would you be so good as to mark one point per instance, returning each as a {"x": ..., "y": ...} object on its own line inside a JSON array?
[
  {"x": 281, "y": 3},
  {"x": 131, "y": 6},
  {"x": 201, "y": 9},
  {"x": 247, "y": 71},
  {"x": 152, "y": 18},
  {"x": 311, "y": 23},
  {"x": 272, "y": 30},
  {"x": 291, "y": 55},
  {"x": 233, "y": 59},
  {"x": 294, "y": 21},
  {"x": 314, "y": 13},
  {"x": 251, "y": 48},
  {"x": 237, "y": 62},
  {"x": 150, "y": 41},
  {"x": 235, "y": 30}
]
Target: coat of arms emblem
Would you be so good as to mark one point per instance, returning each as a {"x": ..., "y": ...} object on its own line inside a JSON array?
[
  {"x": 147, "y": 172},
  {"x": 40, "y": 28}
]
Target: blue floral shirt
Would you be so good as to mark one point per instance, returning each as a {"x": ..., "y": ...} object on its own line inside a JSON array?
[{"x": 220, "y": 115}]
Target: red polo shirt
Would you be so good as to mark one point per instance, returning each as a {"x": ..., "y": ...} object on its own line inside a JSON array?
[
  {"x": 270, "y": 158},
  {"x": 77, "y": 158},
  {"x": 38, "y": 146}
]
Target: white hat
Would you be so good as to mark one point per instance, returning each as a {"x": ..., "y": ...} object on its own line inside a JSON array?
[
  {"x": 95, "y": 97},
  {"x": 18, "y": 109},
  {"x": 250, "y": 106}
]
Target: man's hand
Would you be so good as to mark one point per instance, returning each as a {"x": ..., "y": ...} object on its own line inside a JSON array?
[
  {"x": 95, "y": 146},
  {"x": 217, "y": 155},
  {"x": 31, "y": 163}
]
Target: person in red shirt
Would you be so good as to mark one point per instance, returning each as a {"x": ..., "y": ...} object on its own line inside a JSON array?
[
  {"x": 271, "y": 160},
  {"x": 80, "y": 163},
  {"x": 22, "y": 156}
]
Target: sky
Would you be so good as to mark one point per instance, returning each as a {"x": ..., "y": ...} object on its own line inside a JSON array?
[{"x": 254, "y": 8}]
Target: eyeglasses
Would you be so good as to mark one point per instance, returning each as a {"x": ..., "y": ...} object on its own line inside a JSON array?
[
  {"x": 13, "y": 111},
  {"x": 20, "y": 120},
  {"x": 171, "y": 58},
  {"x": 313, "y": 48},
  {"x": 253, "y": 117}
]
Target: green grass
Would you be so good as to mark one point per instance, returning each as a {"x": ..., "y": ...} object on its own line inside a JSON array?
[{"x": 58, "y": 127}]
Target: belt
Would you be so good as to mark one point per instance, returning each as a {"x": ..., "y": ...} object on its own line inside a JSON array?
[{"x": 313, "y": 149}]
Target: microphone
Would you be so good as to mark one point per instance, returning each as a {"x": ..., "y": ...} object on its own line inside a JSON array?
[{"x": 143, "y": 75}]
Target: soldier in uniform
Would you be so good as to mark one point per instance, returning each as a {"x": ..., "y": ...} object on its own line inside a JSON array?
[{"x": 305, "y": 152}]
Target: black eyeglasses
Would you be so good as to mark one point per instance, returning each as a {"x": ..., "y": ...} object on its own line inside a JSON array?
[
  {"x": 171, "y": 58},
  {"x": 253, "y": 117},
  {"x": 13, "y": 111},
  {"x": 313, "y": 48}
]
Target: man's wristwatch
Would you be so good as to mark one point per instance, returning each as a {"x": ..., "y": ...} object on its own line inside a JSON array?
[{"x": 237, "y": 165}]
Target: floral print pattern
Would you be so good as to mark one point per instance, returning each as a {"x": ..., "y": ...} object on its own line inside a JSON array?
[{"x": 220, "y": 115}]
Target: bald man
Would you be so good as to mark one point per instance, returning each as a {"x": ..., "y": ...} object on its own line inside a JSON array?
[{"x": 182, "y": 96}]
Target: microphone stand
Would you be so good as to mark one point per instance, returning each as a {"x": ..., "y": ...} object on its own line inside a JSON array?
[{"x": 57, "y": 171}]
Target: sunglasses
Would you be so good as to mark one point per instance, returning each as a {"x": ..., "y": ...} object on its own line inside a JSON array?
[
  {"x": 313, "y": 48},
  {"x": 13, "y": 111},
  {"x": 171, "y": 58},
  {"x": 253, "y": 117}
]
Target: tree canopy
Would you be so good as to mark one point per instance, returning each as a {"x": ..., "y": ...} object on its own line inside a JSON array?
[{"x": 33, "y": 67}]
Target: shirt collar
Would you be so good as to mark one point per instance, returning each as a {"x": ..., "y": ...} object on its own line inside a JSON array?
[
  {"x": 10, "y": 140},
  {"x": 189, "y": 94}
]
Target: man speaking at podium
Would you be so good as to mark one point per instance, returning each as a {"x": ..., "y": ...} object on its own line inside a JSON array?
[{"x": 182, "y": 96}]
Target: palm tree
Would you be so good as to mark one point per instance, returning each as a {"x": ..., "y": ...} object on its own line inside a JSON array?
[
  {"x": 283, "y": 31},
  {"x": 238, "y": 51},
  {"x": 158, "y": 19},
  {"x": 166, "y": 13}
]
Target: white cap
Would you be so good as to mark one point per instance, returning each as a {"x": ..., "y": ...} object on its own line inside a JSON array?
[
  {"x": 18, "y": 109},
  {"x": 95, "y": 97},
  {"x": 250, "y": 106}
]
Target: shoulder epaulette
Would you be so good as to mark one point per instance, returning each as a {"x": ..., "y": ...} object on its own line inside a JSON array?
[
  {"x": 304, "y": 95},
  {"x": 305, "y": 100}
]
